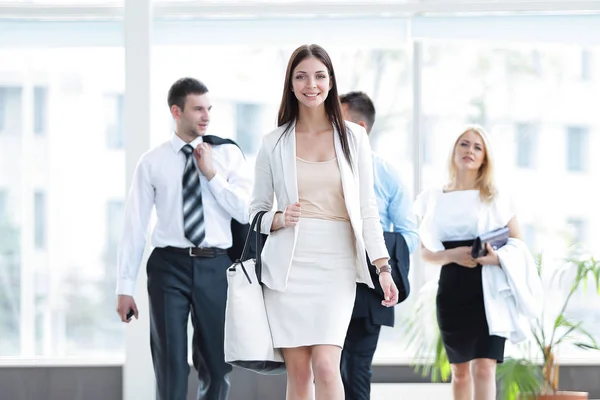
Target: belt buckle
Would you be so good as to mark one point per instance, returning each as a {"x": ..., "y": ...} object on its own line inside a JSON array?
[{"x": 201, "y": 252}]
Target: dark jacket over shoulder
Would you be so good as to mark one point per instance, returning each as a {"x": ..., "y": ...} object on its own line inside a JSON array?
[{"x": 368, "y": 301}]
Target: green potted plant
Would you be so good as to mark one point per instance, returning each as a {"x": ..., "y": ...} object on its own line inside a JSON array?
[{"x": 534, "y": 375}]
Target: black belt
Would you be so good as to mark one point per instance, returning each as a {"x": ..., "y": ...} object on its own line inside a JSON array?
[{"x": 208, "y": 252}]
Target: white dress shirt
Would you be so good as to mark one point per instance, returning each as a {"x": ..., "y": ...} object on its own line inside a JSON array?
[{"x": 157, "y": 182}]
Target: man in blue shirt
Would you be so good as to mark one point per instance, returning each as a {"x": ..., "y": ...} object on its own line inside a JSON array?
[{"x": 400, "y": 231}]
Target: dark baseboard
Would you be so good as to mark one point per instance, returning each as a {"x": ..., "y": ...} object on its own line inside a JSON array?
[{"x": 105, "y": 383}]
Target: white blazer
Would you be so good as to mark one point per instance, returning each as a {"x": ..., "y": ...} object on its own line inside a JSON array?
[
  {"x": 275, "y": 176},
  {"x": 513, "y": 294}
]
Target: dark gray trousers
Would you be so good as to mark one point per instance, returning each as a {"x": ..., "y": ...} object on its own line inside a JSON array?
[{"x": 177, "y": 285}]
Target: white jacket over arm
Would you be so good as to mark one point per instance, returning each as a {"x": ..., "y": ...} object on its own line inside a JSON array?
[{"x": 513, "y": 293}]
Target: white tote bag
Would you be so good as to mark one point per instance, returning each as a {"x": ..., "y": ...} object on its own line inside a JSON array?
[{"x": 248, "y": 340}]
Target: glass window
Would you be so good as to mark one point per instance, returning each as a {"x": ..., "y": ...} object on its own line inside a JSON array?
[
  {"x": 9, "y": 278},
  {"x": 40, "y": 104},
  {"x": 10, "y": 110},
  {"x": 586, "y": 65},
  {"x": 247, "y": 120},
  {"x": 525, "y": 138},
  {"x": 578, "y": 230},
  {"x": 529, "y": 236},
  {"x": 115, "y": 212},
  {"x": 59, "y": 301},
  {"x": 2, "y": 108},
  {"x": 114, "y": 122},
  {"x": 381, "y": 73},
  {"x": 39, "y": 216},
  {"x": 577, "y": 148},
  {"x": 428, "y": 148},
  {"x": 3, "y": 210}
]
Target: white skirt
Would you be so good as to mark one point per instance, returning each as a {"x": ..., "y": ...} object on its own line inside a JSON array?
[{"x": 317, "y": 305}]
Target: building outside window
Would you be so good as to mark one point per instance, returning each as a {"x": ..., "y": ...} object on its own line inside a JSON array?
[{"x": 577, "y": 148}]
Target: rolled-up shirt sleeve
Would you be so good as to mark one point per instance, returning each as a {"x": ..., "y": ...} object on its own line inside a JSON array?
[{"x": 233, "y": 192}]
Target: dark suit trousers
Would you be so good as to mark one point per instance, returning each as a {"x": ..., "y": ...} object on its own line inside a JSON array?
[
  {"x": 177, "y": 285},
  {"x": 357, "y": 357}
]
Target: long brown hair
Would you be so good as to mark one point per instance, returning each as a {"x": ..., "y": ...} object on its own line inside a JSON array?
[
  {"x": 288, "y": 109},
  {"x": 485, "y": 176}
]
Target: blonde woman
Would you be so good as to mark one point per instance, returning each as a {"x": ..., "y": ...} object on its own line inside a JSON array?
[{"x": 451, "y": 218}]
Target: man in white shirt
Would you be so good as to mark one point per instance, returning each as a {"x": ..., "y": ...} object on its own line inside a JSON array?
[{"x": 196, "y": 189}]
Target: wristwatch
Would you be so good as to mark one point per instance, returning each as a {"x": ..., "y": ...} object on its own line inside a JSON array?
[{"x": 384, "y": 268}]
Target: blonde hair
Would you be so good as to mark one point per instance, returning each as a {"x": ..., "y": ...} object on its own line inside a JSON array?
[{"x": 485, "y": 176}]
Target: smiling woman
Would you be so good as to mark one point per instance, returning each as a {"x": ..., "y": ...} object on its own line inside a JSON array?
[
  {"x": 311, "y": 80},
  {"x": 302, "y": 270},
  {"x": 310, "y": 96},
  {"x": 245, "y": 89}
]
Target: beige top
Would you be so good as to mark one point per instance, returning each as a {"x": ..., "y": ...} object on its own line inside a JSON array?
[{"x": 320, "y": 190}]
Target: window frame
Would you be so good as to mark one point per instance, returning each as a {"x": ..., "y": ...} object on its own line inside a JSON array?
[{"x": 105, "y": 25}]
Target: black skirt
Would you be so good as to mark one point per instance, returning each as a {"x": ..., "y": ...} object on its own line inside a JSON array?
[{"x": 461, "y": 313}]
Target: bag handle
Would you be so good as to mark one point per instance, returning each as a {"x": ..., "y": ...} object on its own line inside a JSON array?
[
  {"x": 256, "y": 221},
  {"x": 259, "y": 246}
]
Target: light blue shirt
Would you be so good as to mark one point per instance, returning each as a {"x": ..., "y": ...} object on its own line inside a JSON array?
[{"x": 394, "y": 202}]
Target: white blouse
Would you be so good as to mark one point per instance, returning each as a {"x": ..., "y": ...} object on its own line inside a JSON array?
[{"x": 458, "y": 215}]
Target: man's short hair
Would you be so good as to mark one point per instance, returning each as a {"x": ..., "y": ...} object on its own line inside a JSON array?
[
  {"x": 182, "y": 88},
  {"x": 361, "y": 106}
]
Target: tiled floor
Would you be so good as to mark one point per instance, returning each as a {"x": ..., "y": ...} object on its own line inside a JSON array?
[{"x": 411, "y": 391}]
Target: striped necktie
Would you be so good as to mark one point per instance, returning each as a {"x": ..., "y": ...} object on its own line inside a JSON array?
[{"x": 193, "y": 216}]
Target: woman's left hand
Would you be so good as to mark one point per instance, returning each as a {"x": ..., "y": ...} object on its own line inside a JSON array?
[
  {"x": 390, "y": 290},
  {"x": 491, "y": 258}
]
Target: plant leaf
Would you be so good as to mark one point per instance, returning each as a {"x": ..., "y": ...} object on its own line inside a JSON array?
[
  {"x": 588, "y": 336},
  {"x": 571, "y": 328},
  {"x": 518, "y": 376},
  {"x": 586, "y": 346}
]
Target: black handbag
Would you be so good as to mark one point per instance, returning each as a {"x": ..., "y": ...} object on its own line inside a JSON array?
[{"x": 496, "y": 238}]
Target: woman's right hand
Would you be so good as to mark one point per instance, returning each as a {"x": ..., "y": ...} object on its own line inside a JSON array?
[
  {"x": 462, "y": 256},
  {"x": 291, "y": 215}
]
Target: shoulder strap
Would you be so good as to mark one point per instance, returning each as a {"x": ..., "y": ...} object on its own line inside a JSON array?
[
  {"x": 217, "y": 141},
  {"x": 256, "y": 221}
]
